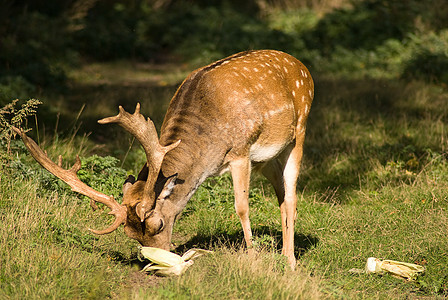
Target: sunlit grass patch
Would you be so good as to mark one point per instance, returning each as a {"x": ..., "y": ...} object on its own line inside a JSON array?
[
  {"x": 233, "y": 274},
  {"x": 46, "y": 249},
  {"x": 130, "y": 73}
]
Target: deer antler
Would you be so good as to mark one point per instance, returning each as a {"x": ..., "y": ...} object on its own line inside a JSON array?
[
  {"x": 145, "y": 132},
  {"x": 70, "y": 177}
]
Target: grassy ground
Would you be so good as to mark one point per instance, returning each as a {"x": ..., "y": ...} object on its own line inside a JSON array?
[{"x": 374, "y": 183}]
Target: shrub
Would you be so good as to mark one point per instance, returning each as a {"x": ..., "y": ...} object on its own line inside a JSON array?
[
  {"x": 429, "y": 59},
  {"x": 14, "y": 87},
  {"x": 36, "y": 47}
]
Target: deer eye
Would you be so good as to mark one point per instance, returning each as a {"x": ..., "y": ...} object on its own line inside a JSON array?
[{"x": 161, "y": 225}]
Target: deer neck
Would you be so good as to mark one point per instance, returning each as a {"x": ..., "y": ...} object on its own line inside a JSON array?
[{"x": 193, "y": 161}]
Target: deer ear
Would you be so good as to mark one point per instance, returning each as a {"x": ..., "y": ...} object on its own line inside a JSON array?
[
  {"x": 128, "y": 183},
  {"x": 168, "y": 186}
]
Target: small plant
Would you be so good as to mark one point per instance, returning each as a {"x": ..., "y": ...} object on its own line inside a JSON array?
[
  {"x": 99, "y": 172},
  {"x": 11, "y": 115},
  {"x": 12, "y": 87},
  {"x": 102, "y": 173},
  {"x": 265, "y": 242}
]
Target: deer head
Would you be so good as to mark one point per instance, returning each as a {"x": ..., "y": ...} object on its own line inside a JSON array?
[{"x": 143, "y": 198}]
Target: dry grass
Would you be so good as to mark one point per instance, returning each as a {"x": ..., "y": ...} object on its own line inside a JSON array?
[{"x": 233, "y": 274}]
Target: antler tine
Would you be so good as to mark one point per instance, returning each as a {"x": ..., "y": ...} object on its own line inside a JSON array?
[
  {"x": 70, "y": 177},
  {"x": 145, "y": 132},
  {"x": 76, "y": 167},
  {"x": 121, "y": 114},
  {"x": 170, "y": 147},
  {"x": 111, "y": 228}
]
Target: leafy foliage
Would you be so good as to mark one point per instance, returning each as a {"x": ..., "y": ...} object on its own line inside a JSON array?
[
  {"x": 10, "y": 115},
  {"x": 368, "y": 38},
  {"x": 429, "y": 61},
  {"x": 102, "y": 173},
  {"x": 14, "y": 88}
]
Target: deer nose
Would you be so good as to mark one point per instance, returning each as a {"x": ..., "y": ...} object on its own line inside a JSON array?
[{"x": 154, "y": 224}]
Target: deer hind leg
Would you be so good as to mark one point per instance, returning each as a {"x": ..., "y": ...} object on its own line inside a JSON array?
[
  {"x": 289, "y": 206},
  {"x": 283, "y": 176},
  {"x": 240, "y": 170},
  {"x": 273, "y": 171}
]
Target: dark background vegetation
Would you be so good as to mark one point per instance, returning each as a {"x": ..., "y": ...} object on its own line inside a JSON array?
[
  {"x": 362, "y": 50},
  {"x": 39, "y": 39}
]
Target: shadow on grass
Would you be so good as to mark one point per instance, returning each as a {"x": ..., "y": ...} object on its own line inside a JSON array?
[
  {"x": 302, "y": 242},
  {"x": 355, "y": 125}
]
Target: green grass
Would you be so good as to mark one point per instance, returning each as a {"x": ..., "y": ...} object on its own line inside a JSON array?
[
  {"x": 373, "y": 183},
  {"x": 46, "y": 251}
]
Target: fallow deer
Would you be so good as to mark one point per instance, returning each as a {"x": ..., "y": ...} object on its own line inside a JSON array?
[{"x": 245, "y": 111}]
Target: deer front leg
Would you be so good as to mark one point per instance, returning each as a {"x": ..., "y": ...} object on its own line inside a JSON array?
[{"x": 240, "y": 170}]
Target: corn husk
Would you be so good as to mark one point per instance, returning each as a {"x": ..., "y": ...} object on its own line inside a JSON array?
[
  {"x": 398, "y": 269},
  {"x": 161, "y": 257},
  {"x": 165, "y": 263},
  {"x": 193, "y": 253},
  {"x": 175, "y": 270}
]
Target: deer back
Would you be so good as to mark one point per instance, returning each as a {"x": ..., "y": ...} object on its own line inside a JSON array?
[{"x": 250, "y": 103}]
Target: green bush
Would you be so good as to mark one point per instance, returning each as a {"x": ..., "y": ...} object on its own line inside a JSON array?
[
  {"x": 368, "y": 38},
  {"x": 109, "y": 30},
  {"x": 429, "y": 59},
  {"x": 102, "y": 173},
  {"x": 36, "y": 47},
  {"x": 205, "y": 33},
  {"x": 15, "y": 87}
]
